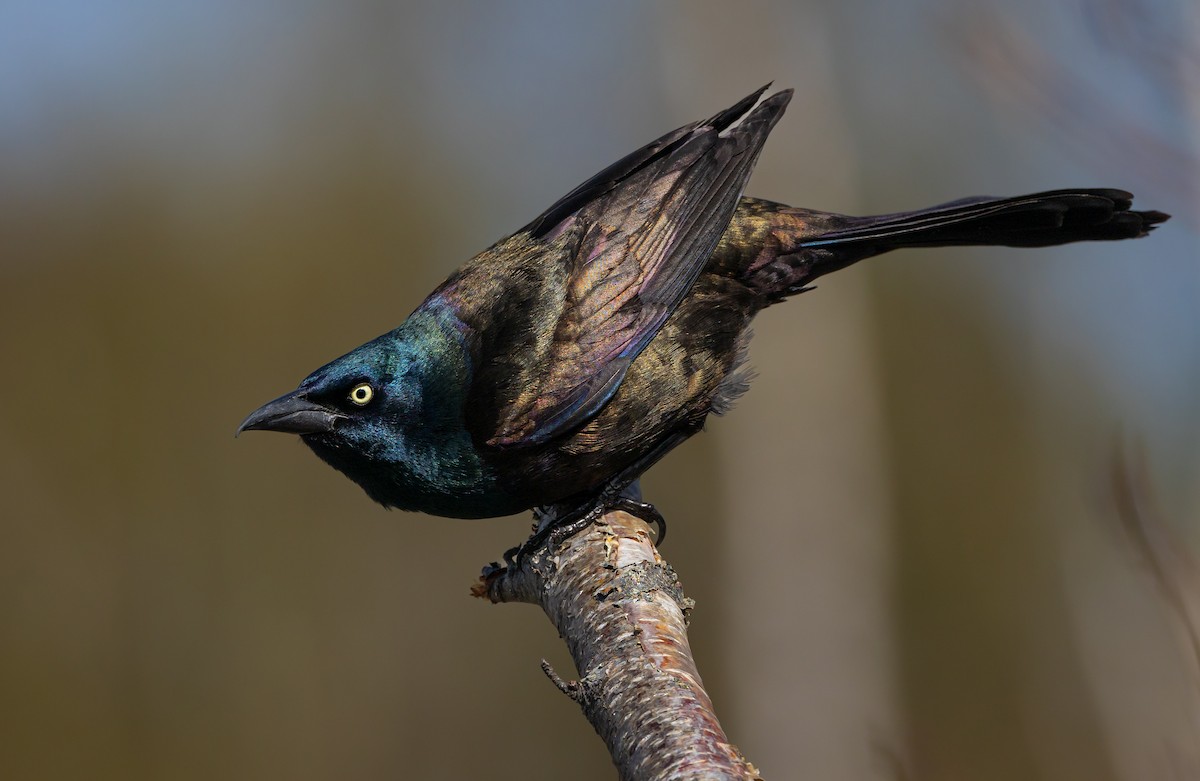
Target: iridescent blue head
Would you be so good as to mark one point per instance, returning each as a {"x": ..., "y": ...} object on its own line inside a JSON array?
[{"x": 389, "y": 415}]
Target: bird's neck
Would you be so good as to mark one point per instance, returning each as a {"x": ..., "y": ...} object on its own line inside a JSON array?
[{"x": 437, "y": 461}]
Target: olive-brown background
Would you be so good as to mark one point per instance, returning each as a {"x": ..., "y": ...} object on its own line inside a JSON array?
[{"x": 903, "y": 543}]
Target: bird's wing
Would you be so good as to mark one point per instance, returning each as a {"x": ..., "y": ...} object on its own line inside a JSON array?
[{"x": 643, "y": 228}]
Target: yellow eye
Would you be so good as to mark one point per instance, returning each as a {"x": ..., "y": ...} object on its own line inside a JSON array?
[{"x": 361, "y": 394}]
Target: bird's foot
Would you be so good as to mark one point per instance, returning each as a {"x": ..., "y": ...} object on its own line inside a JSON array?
[
  {"x": 552, "y": 525},
  {"x": 555, "y": 524},
  {"x": 646, "y": 511}
]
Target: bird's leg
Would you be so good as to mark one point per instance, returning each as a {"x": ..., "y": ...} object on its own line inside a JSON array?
[
  {"x": 613, "y": 496},
  {"x": 550, "y": 519},
  {"x": 559, "y": 522},
  {"x": 543, "y": 522},
  {"x": 620, "y": 493},
  {"x": 556, "y": 525}
]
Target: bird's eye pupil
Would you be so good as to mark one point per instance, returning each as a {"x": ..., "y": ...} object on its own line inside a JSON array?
[{"x": 361, "y": 393}]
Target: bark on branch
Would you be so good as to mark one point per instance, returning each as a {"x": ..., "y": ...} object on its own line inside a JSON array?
[{"x": 621, "y": 610}]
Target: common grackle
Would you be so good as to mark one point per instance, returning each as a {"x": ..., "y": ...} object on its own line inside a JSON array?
[{"x": 556, "y": 366}]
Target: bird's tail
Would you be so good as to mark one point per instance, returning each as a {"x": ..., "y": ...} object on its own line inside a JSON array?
[{"x": 811, "y": 244}]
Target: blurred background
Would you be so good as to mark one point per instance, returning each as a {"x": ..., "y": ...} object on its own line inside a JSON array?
[{"x": 910, "y": 545}]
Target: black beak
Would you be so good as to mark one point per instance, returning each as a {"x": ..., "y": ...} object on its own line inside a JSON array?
[{"x": 292, "y": 414}]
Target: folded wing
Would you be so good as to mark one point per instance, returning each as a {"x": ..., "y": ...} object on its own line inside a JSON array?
[{"x": 642, "y": 231}]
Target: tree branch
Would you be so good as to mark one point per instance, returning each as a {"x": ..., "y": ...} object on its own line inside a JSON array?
[{"x": 621, "y": 610}]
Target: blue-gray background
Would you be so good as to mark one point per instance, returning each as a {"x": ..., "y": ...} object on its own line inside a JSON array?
[{"x": 902, "y": 542}]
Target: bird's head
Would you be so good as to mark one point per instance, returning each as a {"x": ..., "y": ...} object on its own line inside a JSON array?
[
  {"x": 352, "y": 410},
  {"x": 386, "y": 414}
]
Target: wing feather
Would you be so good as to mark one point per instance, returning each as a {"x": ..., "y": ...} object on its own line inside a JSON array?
[{"x": 645, "y": 226}]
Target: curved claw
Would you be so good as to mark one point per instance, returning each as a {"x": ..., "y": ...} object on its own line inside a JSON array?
[
  {"x": 647, "y": 512},
  {"x": 555, "y": 524}
]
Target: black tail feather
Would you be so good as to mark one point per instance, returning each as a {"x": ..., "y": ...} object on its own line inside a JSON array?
[{"x": 1036, "y": 220}]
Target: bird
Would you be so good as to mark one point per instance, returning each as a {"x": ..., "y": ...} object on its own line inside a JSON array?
[{"x": 554, "y": 368}]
